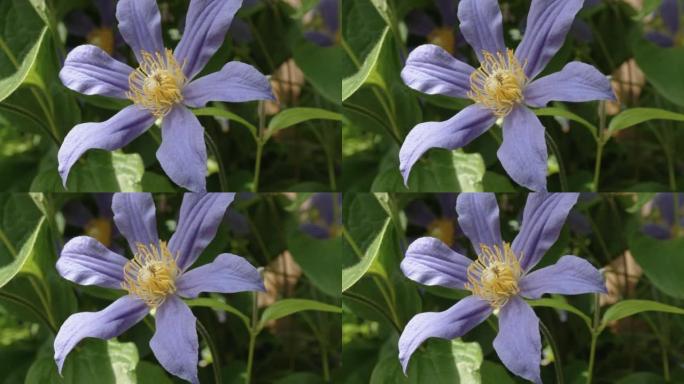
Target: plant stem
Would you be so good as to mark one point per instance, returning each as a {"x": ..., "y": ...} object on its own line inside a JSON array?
[
  {"x": 600, "y": 142},
  {"x": 557, "y": 364},
  {"x": 561, "y": 166},
  {"x": 253, "y": 332},
  {"x": 221, "y": 170},
  {"x": 21, "y": 301},
  {"x": 597, "y": 167},
  {"x": 215, "y": 364},
  {"x": 260, "y": 146},
  {"x": 595, "y": 332}
]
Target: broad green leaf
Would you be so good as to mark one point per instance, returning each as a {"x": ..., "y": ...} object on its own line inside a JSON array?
[
  {"x": 661, "y": 261},
  {"x": 294, "y": 116},
  {"x": 309, "y": 57},
  {"x": 147, "y": 372},
  {"x": 559, "y": 112},
  {"x": 287, "y": 307},
  {"x": 662, "y": 67},
  {"x": 20, "y": 38},
  {"x": 641, "y": 378},
  {"x": 433, "y": 364},
  {"x": 354, "y": 273},
  {"x": 353, "y": 83},
  {"x": 222, "y": 113},
  {"x": 495, "y": 373},
  {"x": 634, "y": 116},
  {"x": 23, "y": 261},
  {"x": 320, "y": 260},
  {"x": 627, "y": 308},
  {"x": 647, "y": 9},
  {"x": 468, "y": 359},
  {"x": 219, "y": 306},
  {"x": 561, "y": 306}
]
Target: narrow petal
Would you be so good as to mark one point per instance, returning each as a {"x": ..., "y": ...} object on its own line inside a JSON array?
[
  {"x": 547, "y": 24},
  {"x": 666, "y": 206},
  {"x": 235, "y": 82},
  {"x": 183, "y": 153},
  {"x": 518, "y": 343},
  {"x": 542, "y": 222},
  {"x": 432, "y": 70},
  {"x": 454, "y": 133},
  {"x": 571, "y": 275},
  {"x": 174, "y": 343},
  {"x": 106, "y": 324},
  {"x": 112, "y": 134},
  {"x": 481, "y": 25},
  {"x": 228, "y": 273},
  {"x": 670, "y": 13},
  {"x": 206, "y": 25},
  {"x": 478, "y": 217},
  {"x": 91, "y": 71},
  {"x": 450, "y": 324},
  {"x": 575, "y": 82},
  {"x": 199, "y": 219},
  {"x": 523, "y": 152},
  {"x": 140, "y": 26},
  {"x": 660, "y": 39},
  {"x": 431, "y": 262},
  {"x": 86, "y": 261},
  {"x": 136, "y": 218}
]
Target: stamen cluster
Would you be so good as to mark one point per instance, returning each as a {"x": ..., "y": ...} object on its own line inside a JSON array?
[
  {"x": 151, "y": 274},
  {"x": 494, "y": 275},
  {"x": 499, "y": 82},
  {"x": 157, "y": 83}
]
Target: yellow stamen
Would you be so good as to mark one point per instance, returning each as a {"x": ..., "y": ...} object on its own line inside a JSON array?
[
  {"x": 499, "y": 82},
  {"x": 151, "y": 274},
  {"x": 442, "y": 229},
  {"x": 100, "y": 229},
  {"x": 102, "y": 37},
  {"x": 494, "y": 275},
  {"x": 157, "y": 83},
  {"x": 443, "y": 37}
]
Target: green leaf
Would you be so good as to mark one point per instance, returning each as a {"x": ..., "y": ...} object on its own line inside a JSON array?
[
  {"x": 662, "y": 67},
  {"x": 641, "y": 378},
  {"x": 353, "y": 83},
  {"x": 661, "y": 261},
  {"x": 628, "y": 308},
  {"x": 23, "y": 261},
  {"x": 287, "y": 307},
  {"x": 354, "y": 273},
  {"x": 147, "y": 372},
  {"x": 433, "y": 364},
  {"x": 219, "y": 306},
  {"x": 309, "y": 57},
  {"x": 222, "y": 113},
  {"x": 647, "y": 9},
  {"x": 560, "y": 305},
  {"x": 495, "y": 373},
  {"x": 559, "y": 112},
  {"x": 468, "y": 359},
  {"x": 634, "y": 116},
  {"x": 294, "y": 116},
  {"x": 320, "y": 260},
  {"x": 20, "y": 38}
]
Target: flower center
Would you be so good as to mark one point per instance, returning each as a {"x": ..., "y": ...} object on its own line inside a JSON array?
[
  {"x": 443, "y": 37},
  {"x": 499, "y": 82},
  {"x": 102, "y": 37},
  {"x": 157, "y": 83},
  {"x": 442, "y": 229},
  {"x": 151, "y": 274},
  {"x": 494, "y": 275},
  {"x": 100, "y": 229}
]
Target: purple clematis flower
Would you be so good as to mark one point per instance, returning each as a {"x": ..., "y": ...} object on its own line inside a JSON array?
[
  {"x": 156, "y": 278},
  {"x": 98, "y": 224},
  {"x": 670, "y": 13},
  {"x": 443, "y": 225},
  {"x": 443, "y": 35},
  {"x": 329, "y": 32},
  {"x": 670, "y": 215},
  {"x": 162, "y": 87},
  {"x": 322, "y": 215},
  {"x": 103, "y": 35},
  {"x": 498, "y": 279},
  {"x": 502, "y": 87}
]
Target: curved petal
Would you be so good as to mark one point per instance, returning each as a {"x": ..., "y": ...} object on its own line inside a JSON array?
[
  {"x": 481, "y": 25},
  {"x": 431, "y": 262},
  {"x": 228, "y": 273},
  {"x": 454, "y": 133},
  {"x": 542, "y": 222},
  {"x": 183, "y": 153},
  {"x": 235, "y": 82},
  {"x": 91, "y": 71},
  {"x": 199, "y": 219},
  {"x": 432, "y": 70},
  {"x": 86, "y": 261},
  {"x": 575, "y": 82},
  {"x": 136, "y": 218},
  {"x": 547, "y": 24},
  {"x": 518, "y": 343},
  {"x": 523, "y": 152},
  {"x": 206, "y": 25},
  {"x": 140, "y": 26},
  {"x": 105, "y": 324},
  {"x": 450, "y": 324},
  {"x": 174, "y": 343},
  {"x": 660, "y": 39},
  {"x": 112, "y": 134},
  {"x": 571, "y": 275},
  {"x": 478, "y": 217}
]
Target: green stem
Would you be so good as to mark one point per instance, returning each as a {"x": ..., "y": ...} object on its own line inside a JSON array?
[
  {"x": 253, "y": 332},
  {"x": 557, "y": 364},
  {"x": 595, "y": 332},
  {"x": 215, "y": 364},
  {"x": 23, "y": 302},
  {"x": 561, "y": 165},
  {"x": 374, "y": 305},
  {"x": 214, "y": 149},
  {"x": 257, "y": 166},
  {"x": 597, "y": 167}
]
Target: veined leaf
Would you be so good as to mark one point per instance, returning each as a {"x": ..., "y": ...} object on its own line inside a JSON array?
[
  {"x": 287, "y": 307},
  {"x": 634, "y": 116},
  {"x": 354, "y": 273},
  {"x": 628, "y": 308},
  {"x": 353, "y": 83},
  {"x": 294, "y": 116}
]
